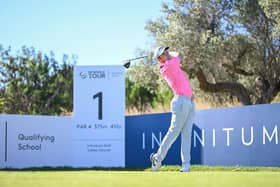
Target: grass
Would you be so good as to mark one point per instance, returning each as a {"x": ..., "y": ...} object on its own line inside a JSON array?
[{"x": 167, "y": 176}]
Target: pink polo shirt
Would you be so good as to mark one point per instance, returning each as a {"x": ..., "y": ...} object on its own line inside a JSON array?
[{"x": 175, "y": 77}]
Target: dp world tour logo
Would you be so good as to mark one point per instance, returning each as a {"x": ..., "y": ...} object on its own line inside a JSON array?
[
  {"x": 83, "y": 75},
  {"x": 93, "y": 74}
]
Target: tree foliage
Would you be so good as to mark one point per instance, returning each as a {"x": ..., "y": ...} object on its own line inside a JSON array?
[
  {"x": 145, "y": 88},
  {"x": 230, "y": 48},
  {"x": 35, "y": 83}
]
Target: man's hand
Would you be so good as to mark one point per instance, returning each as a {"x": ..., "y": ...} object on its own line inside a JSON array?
[{"x": 173, "y": 54}]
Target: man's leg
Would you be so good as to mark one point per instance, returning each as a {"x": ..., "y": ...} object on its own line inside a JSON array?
[
  {"x": 186, "y": 139},
  {"x": 179, "y": 115}
]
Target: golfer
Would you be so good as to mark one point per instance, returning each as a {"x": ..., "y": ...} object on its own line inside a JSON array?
[{"x": 182, "y": 108}]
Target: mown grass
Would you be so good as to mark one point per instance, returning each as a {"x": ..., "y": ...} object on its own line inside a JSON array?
[{"x": 167, "y": 176}]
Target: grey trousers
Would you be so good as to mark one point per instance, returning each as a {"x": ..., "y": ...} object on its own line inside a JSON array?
[{"x": 183, "y": 112}]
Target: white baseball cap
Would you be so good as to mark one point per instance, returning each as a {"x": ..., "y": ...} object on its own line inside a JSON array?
[{"x": 158, "y": 51}]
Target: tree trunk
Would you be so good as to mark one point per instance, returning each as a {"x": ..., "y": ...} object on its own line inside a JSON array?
[
  {"x": 236, "y": 89},
  {"x": 268, "y": 94},
  {"x": 50, "y": 99}
]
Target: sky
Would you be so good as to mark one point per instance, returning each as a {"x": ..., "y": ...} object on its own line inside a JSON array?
[{"x": 99, "y": 32}]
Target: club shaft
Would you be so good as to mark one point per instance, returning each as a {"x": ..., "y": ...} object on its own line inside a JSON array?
[{"x": 136, "y": 58}]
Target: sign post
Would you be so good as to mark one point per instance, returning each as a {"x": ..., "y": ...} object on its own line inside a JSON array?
[{"x": 99, "y": 105}]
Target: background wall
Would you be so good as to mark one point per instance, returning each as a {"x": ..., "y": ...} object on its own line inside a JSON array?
[{"x": 246, "y": 136}]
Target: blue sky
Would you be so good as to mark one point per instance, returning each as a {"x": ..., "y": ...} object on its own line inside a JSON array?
[{"x": 99, "y": 32}]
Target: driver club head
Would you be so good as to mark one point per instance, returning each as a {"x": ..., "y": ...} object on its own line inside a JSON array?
[{"x": 126, "y": 64}]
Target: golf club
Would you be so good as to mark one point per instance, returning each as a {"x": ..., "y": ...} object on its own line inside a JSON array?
[{"x": 127, "y": 62}]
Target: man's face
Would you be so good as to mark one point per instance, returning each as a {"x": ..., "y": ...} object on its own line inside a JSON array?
[{"x": 163, "y": 57}]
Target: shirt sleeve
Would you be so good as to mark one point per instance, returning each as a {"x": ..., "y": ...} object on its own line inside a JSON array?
[{"x": 170, "y": 66}]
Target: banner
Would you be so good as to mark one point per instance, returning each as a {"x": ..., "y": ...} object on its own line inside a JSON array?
[
  {"x": 246, "y": 136},
  {"x": 3, "y": 142},
  {"x": 34, "y": 141},
  {"x": 93, "y": 137},
  {"x": 99, "y": 107}
]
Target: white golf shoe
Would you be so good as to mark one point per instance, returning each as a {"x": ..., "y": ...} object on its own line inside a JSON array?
[
  {"x": 155, "y": 163},
  {"x": 185, "y": 168}
]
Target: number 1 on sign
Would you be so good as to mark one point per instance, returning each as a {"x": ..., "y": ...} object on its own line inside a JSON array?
[{"x": 99, "y": 95}]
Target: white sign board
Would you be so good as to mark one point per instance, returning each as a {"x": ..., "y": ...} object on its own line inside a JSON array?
[
  {"x": 34, "y": 141},
  {"x": 94, "y": 137},
  {"x": 99, "y": 106}
]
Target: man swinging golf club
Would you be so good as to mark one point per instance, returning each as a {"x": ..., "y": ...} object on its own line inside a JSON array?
[{"x": 182, "y": 108}]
